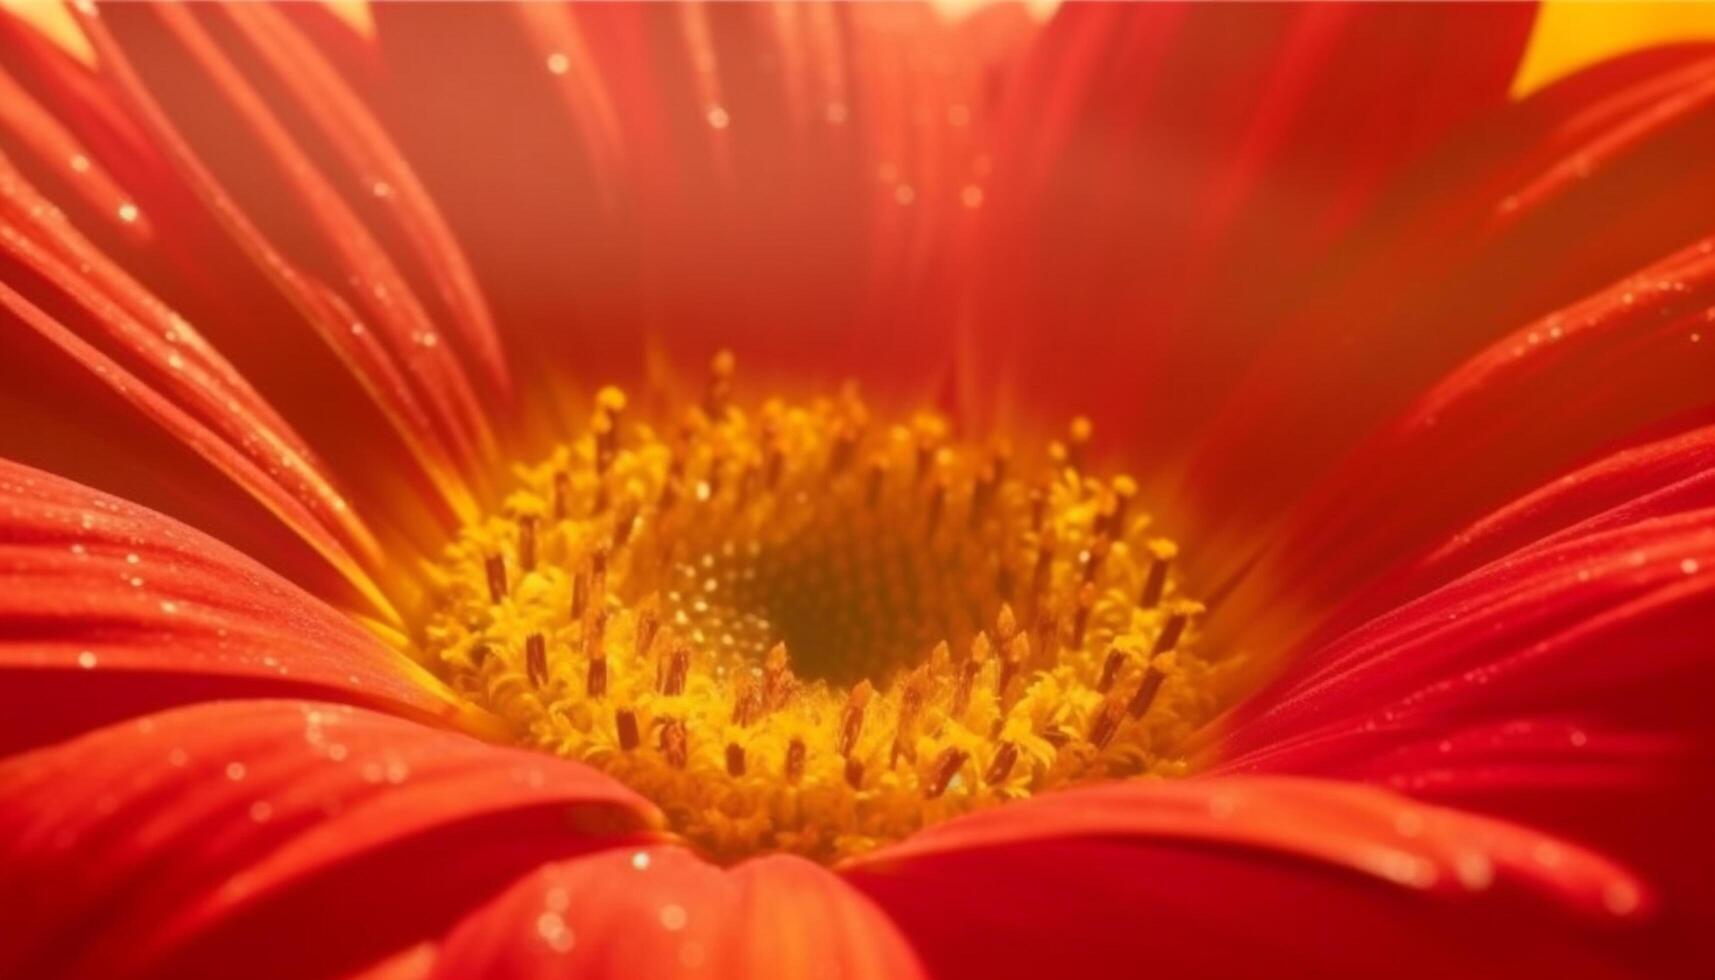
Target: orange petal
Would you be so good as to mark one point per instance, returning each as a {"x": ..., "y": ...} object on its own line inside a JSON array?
[
  {"x": 663, "y": 912},
  {"x": 379, "y": 330},
  {"x": 111, "y": 610},
  {"x": 185, "y": 842}
]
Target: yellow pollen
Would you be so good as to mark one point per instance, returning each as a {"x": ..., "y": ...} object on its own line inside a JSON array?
[{"x": 797, "y": 628}]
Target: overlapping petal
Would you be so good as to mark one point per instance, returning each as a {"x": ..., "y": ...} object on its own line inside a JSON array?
[
  {"x": 1561, "y": 682},
  {"x": 663, "y": 912},
  {"x": 181, "y": 843},
  {"x": 1209, "y": 877},
  {"x": 1171, "y": 177},
  {"x": 1175, "y": 167},
  {"x": 832, "y": 148},
  {"x": 1460, "y": 273},
  {"x": 111, "y": 610}
]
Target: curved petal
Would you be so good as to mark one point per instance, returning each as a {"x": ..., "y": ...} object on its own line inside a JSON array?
[
  {"x": 1620, "y": 361},
  {"x": 135, "y": 293},
  {"x": 1564, "y": 684},
  {"x": 1650, "y": 479},
  {"x": 663, "y": 912},
  {"x": 182, "y": 842},
  {"x": 1542, "y": 630},
  {"x": 792, "y": 181},
  {"x": 1213, "y": 877},
  {"x": 1516, "y": 223},
  {"x": 1170, "y": 177},
  {"x": 110, "y": 610}
]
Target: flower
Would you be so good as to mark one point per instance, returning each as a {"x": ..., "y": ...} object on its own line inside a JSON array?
[{"x": 1416, "y": 375}]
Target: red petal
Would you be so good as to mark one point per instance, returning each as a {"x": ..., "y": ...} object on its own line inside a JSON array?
[
  {"x": 187, "y": 842},
  {"x": 1248, "y": 876},
  {"x": 1564, "y": 685},
  {"x": 111, "y": 610},
  {"x": 1537, "y": 631},
  {"x": 788, "y": 180},
  {"x": 295, "y": 233},
  {"x": 1652, "y": 479},
  {"x": 1608, "y": 366},
  {"x": 1455, "y": 263},
  {"x": 662, "y": 912},
  {"x": 367, "y": 151},
  {"x": 1171, "y": 177}
]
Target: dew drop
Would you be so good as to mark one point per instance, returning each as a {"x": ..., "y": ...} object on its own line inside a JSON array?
[
  {"x": 236, "y": 771},
  {"x": 559, "y": 64},
  {"x": 128, "y": 212},
  {"x": 1476, "y": 872},
  {"x": 718, "y": 117},
  {"x": 1621, "y": 898},
  {"x": 86, "y": 660},
  {"x": 673, "y": 917},
  {"x": 640, "y": 860},
  {"x": 552, "y": 928}
]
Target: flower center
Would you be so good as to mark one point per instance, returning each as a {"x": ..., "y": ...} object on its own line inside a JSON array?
[{"x": 797, "y": 629}]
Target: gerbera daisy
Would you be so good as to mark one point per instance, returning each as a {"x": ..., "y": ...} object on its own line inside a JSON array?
[{"x": 796, "y": 490}]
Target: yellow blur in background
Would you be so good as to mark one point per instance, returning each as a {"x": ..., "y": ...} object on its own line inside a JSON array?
[{"x": 1571, "y": 34}]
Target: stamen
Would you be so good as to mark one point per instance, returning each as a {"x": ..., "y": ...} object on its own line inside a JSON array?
[
  {"x": 495, "y": 567},
  {"x": 1110, "y": 669},
  {"x": 625, "y": 724},
  {"x": 947, "y": 765},
  {"x": 851, "y": 724},
  {"x": 675, "y": 743},
  {"x": 1005, "y": 758},
  {"x": 797, "y": 628},
  {"x": 795, "y": 761},
  {"x": 536, "y": 658},
  {"x": 527, "y": 543}
]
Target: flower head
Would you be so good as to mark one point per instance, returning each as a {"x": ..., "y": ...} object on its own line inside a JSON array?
[{"x": 1209, "y": 490}]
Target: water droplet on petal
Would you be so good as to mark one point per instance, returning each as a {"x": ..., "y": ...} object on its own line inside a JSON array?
[
  {"x": 673, "y": 917},
  {"x": 1621, "y": 898}
]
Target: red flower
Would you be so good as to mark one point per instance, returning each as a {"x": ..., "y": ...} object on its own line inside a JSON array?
[{"x": 1419, "y": 376}]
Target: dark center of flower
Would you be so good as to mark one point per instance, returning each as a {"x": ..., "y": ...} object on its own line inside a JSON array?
[{"x": 797, "y": 629}]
